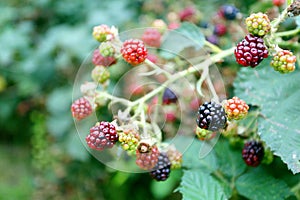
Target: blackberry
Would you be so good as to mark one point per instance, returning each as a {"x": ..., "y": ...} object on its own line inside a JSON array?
[
  {"x": 100, "y": 74},
  {"x": 129, "y": 139},
  {"x": 187, "y": 14},
  {"x": 152, "y": 37},
  {"x": 220, "y": 29},
  {"x": 169, "y": 97},
  {"x": 253, "y": 153},
  {"x": 146, "y": 156},
  {"x": 211, "y": 116},
  {"x": 102, "y": 136},
  {"x": 258, "y": 24},
  {"x": 81, "y": 108},
  {"x": 99, "y": 59},
  {"x": 284, "y": 61},
  {"x": 236, "y": 108},
  {"x": 175, "y": 157},
  {"x": 229, "y": 12},
  {"x": 134, "y": 51},
  {"x": 250, "y": 51},
  {"x": 162, "y": 169}
]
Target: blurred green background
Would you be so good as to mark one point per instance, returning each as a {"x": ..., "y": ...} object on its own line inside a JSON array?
[{"x": 43, "y": 43}]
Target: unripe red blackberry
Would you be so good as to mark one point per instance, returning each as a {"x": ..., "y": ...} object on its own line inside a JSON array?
[
  {"x": 187, "y": 14},
  {"x": 278, "y": 2},
  {"x": 236, "y": 108},
  {"x": 162, "y": 170},
  {"x": 102, "y": 136},
  {"x": 284, "y": 61},
  {"x": 100, "y": 74},
  {"x": 211, "y": 116},
  {"x": 169, "y": 97},
  {"x": 99, "y": 59},
  {"x": 253, "y": 153},
  {"x": 151, "y": 37},
  {"x": 146, "y": 156},
  {"x": 258, "y": 24},
  {"x": 81, "y": 108},
  {"x": 250, "y": 51},
  {"x": 220, "y": 29},
  {"x": 134, "y": 51}
]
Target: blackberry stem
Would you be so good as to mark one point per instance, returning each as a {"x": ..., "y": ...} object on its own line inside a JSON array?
[{"x": 288, "y": 33}]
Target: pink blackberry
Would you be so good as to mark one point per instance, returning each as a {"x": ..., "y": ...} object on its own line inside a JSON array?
[
  {"x": 99, "y": 59},
  {"x": 253, "y": 153},
  {"x": 250, "y": 51},
  {"x": 146, "y": 156},
  {"x": 81, "y": 108},
  {"x": 152, "y": 37},
  {"x": 102, "y": 136}
]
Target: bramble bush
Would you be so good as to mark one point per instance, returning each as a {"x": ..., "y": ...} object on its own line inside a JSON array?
[{"x": 204, "y": 99}]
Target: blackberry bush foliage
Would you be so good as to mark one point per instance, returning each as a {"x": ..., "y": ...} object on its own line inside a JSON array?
[{"x": 143, "y": 129}]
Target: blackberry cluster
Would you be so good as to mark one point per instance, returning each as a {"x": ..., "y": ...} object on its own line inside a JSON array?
[
  {"x": 253, "y": 153},
  {"x": 162, "y": 169},
  {"x": 250, "y": 51},
  {"x": 211, "y": 116},
  {"x": 102, "y": 136}
]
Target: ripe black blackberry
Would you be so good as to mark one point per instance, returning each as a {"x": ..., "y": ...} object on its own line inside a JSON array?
[
  {"x": 162, "y": 168},
  {"x": 250, "y": 51},
  {"x": 253, "y": 153},
  {"x": 211, "y": 116}
]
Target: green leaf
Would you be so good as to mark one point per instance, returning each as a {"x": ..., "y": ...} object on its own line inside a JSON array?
[
  {"x": 297, "y": 20},
  {"x": 188, "y": 35},
  {"x": 196, "y": 185},
  {"x": 258, "y": 185},
  {"x": 278, "y": 96},
  {"x": 230, "y": 160},
  {"x": 192, "y": 159}
]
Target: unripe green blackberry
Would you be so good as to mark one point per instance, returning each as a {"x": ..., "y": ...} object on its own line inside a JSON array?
[
  {"x": 129, "y": 139},
  {"x": 103, "y": 33},
  {"x": 100, "y": 74},
  {"x": 235, "y": 108},
  {"x": 258, "y": 24},
  {"x": 284, "y": 61},
  {"x": 175, "y": 158},
  {"x": 107, "y": 49},
  {"x": 203, "y": 134}
]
